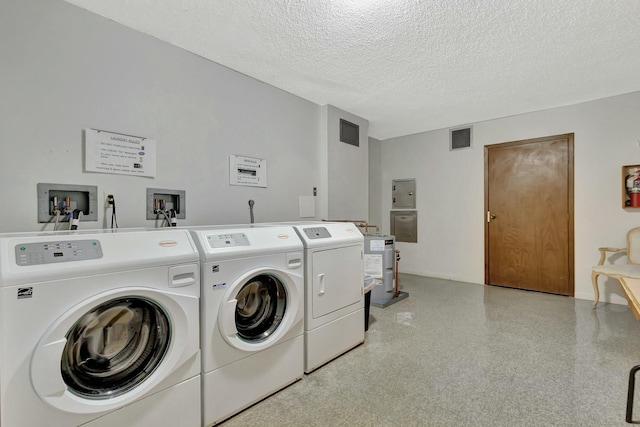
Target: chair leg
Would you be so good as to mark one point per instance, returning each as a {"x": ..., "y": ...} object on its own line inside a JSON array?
[{"x": 594, "y": 280}]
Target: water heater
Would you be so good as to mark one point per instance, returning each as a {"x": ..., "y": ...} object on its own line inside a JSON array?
[{"x": 380, "y": 261}]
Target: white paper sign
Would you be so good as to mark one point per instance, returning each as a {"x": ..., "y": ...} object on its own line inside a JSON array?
[
  {"x": 376, "y": 245},
  {"x": 247, "y": 171},
  {"x": 373, "y": 265},
  {"x": 115, "y": 153}
]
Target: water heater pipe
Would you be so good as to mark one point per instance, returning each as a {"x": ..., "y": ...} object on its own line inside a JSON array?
[
  {"x": 360, "y": 223},
  {"x": 397, "y": 292}
]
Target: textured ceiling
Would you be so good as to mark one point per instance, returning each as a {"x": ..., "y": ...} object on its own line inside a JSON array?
[{"x": 409, "y": 65}]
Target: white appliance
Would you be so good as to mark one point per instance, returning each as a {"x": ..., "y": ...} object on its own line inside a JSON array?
[
  {"x": 252, "y": 315},
  {"x": 99, "y": 329},
  {"x": 334, "y": 302}
]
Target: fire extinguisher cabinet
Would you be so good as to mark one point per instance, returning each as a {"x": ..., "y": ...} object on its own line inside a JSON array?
[{"x": 631, "y": 186}]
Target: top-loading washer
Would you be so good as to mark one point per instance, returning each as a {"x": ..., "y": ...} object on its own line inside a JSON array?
[
  {"x": 334, "y": 288},
  {"x": 252, "y": 315},
  {"x": 99, "y": 328}
]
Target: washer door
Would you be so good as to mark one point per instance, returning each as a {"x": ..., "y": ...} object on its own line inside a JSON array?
[
  {"x": 112, "y": 349},
  {"x": 258, "y": 309}
]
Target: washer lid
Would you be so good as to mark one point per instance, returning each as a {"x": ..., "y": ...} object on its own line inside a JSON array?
[
  {"x": 329, "y": 234},
  {"x": 227, "y": 243},
  {"x": 33, "y": 258}
]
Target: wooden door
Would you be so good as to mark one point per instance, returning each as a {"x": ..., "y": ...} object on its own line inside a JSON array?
[{"x": 529, "y": 214}]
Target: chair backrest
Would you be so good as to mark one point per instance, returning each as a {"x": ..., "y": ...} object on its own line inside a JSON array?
[{"x": 633, "y": 246}]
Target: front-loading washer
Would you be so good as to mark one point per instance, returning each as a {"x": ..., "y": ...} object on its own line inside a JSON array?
[
  {"x": 99, "y": 328},
  {"x": 252, "y": 305},
  {"x": 334, "y": 288}
]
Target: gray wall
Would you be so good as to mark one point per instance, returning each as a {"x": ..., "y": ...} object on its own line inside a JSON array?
[
  {"x": 65, "y": 69},
  {"x": 450, "y": 195},
  {"x": 344, "y": 167}
]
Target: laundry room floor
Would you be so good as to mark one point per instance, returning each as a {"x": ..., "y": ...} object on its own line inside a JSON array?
[{"x": 460, "y": 354}]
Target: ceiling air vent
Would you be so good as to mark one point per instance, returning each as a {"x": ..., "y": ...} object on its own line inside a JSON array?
[{"x": 460, "y": 138}]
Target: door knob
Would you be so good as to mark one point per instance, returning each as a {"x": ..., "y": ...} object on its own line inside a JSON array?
[{"x": 492, "y": 216}]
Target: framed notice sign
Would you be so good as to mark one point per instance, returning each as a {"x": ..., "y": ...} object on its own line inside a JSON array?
[
  {"x": 247, "y": 171},
  {"x": 115, "y": 153}
]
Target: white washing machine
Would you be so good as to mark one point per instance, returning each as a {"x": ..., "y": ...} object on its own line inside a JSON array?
[
  {"x": 252, "y": 315},
  {"x": 334, "y": 302},
  {"x": 99, "y": 329}
]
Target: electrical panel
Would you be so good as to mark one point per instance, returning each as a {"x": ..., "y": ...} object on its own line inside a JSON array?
[
  {"x": 403, "y": 193},
  {"x": 62, "y": 199}
]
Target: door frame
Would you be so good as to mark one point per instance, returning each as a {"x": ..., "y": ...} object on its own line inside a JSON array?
[{"x": 570, "y": 199}]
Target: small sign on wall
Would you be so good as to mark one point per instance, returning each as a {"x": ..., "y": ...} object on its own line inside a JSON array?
[
  {"x": 247, "y": 171},
  {"x": 115, "y": 153}
]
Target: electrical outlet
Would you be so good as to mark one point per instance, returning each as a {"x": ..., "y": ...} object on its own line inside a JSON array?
[{"x": 107, "y": 197}]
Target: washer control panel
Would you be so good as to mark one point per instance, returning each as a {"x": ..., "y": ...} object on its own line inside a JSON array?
[
  {"x": 317, "y": 233},
  {"x": 55, "y": 252},
  {"x": 217, "y": 241}
]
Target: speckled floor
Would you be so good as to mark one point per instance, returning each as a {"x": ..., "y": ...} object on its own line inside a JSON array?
[{"x": 460, "y": 354}]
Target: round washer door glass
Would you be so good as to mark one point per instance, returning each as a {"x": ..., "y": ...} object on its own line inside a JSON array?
[
  {"x": 114, "y": 347},
  {"x": 262, "y": 302}
]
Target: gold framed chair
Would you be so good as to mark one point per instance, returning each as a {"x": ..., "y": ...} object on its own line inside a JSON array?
[{"x": 617, "y": 271}]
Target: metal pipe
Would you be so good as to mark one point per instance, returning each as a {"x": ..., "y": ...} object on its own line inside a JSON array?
[
  {"x": 251, "y": 218},
  {"x": 360, "y": 223},
  {"x": 397, "y": 292}
]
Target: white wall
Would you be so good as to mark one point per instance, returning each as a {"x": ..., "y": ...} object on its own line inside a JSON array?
[
  {"x": 65, "y": 69},
  {"x": 450, "y": 188},
  {"x": 344, "y": 168}
]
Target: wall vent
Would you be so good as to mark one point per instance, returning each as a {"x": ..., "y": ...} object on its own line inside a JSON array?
[
  {"x": 460, "y": 138},
  {"x": 349, "y": 133}
]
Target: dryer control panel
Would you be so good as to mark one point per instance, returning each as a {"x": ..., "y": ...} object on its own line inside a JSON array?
[
  {"x": 317, "y": 233},
  {"x": 55, "y": 252}
]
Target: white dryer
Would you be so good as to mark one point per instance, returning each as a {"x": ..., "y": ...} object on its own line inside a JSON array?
[
  {"x": 252, "y": 315},
  {"x": 99, "y": 329},
  {"x": 334, "y": 302}
]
